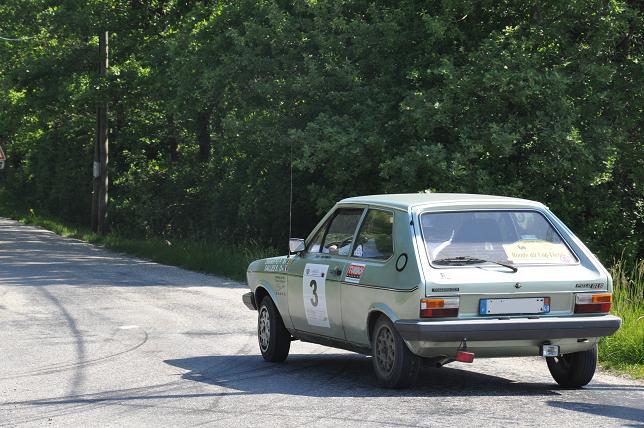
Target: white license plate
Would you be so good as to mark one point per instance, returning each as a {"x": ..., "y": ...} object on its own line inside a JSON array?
[
  {"x": 549, "y": 350},
  {"x": 530, "y": 305}
]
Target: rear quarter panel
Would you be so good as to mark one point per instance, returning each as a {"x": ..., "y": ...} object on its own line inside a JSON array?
[{"x": 383, "y": 288}]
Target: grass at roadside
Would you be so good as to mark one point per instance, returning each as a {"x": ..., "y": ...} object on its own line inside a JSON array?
[
  {"x": 624, "y": 350},
  {"x": 219, "y": 258}
]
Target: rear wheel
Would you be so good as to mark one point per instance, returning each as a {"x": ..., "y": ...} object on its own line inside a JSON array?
[
  {"x": 274, "y": 338},
  {"x": 393, "y": 362},
  {"x": 573, "y": 370}
]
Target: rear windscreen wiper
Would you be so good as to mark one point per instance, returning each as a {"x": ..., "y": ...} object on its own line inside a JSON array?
[{"x": 467, "y": 260}]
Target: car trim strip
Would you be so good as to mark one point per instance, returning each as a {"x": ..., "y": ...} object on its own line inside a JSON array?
[{"x": 409, "y": 290}]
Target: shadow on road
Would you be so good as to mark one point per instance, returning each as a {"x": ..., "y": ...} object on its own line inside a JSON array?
[
  {"x": 621, "y": 412},
  {"x": 37, "y": 257},
  {"x": 342, "y": 375},
  {"x": 326, "y": 375}
]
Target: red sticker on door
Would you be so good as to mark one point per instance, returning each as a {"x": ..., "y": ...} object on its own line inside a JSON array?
[{"x": 354, "y": 273}]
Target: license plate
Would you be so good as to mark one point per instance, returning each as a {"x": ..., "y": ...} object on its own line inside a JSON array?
[
  {"x": 549, "y": 350},
  {"x": 530, "y": 305}
]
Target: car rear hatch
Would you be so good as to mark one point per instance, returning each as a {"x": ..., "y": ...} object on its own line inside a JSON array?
[{"x": 505, "y": 262}]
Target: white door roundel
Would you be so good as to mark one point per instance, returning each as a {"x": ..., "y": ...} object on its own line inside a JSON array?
[{"x": 314, "y": 294}]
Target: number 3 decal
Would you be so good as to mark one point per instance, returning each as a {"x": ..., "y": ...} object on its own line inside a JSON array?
[
  {"x": 315, "y": 299},
  {"x": 314, "y": 294}
]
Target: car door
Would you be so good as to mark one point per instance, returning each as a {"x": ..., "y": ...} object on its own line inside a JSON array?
[
  {"x": 314, "y": 288},
  {"x": 371, "y": 268}
]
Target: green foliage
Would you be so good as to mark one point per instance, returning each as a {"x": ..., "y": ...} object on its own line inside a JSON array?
[
  {"x": 207, "y": 101},
  {"x": 625, "y": 349}
]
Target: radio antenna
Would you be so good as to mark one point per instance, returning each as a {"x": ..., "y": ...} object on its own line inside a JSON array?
[{"x": 290, "y": 196}]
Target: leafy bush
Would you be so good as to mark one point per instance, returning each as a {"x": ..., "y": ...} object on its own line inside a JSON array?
[{"x": 625, "y": 349}]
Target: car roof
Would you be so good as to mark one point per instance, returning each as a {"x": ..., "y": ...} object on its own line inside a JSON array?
[{"x": 407, "y": 201}]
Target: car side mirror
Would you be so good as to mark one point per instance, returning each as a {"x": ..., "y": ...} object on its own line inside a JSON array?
[{"x": 296, "y": 245}]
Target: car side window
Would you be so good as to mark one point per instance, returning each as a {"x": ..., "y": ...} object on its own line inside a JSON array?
[
  {"x": 316, "y": 243},
  {"x": 375, "y": 240},
  {"x": 339, "y": 236}
]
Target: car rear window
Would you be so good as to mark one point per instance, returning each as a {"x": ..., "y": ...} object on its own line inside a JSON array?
[{"x": 516, "y": 237}]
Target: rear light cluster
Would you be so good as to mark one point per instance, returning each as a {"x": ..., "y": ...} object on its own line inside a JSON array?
[
  {"x": 439, "y": 307},
  {"x": 593, "y": 302}
]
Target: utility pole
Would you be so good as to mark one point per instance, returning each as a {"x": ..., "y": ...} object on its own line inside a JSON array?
[{"x": 101, "y": 151}]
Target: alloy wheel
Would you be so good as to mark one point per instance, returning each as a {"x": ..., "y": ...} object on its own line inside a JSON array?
[
  {"x": 264, "y": 328},
  {"x": 385, "y": 349}
]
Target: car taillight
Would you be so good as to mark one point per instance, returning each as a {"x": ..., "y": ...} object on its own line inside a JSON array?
[
  {"x": 593, "y": 302},
  {"x": 439, "y": 307}
]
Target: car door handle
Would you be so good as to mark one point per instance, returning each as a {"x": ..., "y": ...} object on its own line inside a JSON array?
[{"x": 337, "y": 271}]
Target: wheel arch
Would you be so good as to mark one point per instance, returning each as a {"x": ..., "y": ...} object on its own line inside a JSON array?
[
  {"x": 264, "y": 289},
  {"x": 260, "y": 293},
  {"x": 375, "y": 312}
]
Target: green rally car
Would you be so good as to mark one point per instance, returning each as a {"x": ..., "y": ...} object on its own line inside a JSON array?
[{"x": 437, "y": 278}]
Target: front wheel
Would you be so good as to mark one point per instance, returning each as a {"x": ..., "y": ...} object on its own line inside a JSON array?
[
  {"x": 274, "y": 338},
  {"x": 393, "y": 362},
  {"x": 573, "y": 370}
]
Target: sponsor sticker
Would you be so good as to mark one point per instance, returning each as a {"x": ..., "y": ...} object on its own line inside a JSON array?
[
  {"x": 354, "y": 273},
  {"x": 280, "y": 285},
  {"x": 276, "y": 265}
]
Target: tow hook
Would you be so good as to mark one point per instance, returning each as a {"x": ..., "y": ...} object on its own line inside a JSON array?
[{"x": 461, "y": 353}]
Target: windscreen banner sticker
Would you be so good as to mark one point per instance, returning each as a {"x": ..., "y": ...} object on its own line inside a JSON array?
[
  {"x": 354, "y": 273},
  {"x": 314, "y": 294},
  {"x": 538, "y": 251}
]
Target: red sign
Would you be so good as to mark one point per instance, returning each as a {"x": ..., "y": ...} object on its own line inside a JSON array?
[{"x": 2, "y": 156}]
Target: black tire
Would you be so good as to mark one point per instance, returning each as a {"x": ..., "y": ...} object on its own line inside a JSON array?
[
  {"x": 393, "y": 362},
  {"x": 573, "y": 370},
  {"x": 274, "y": 339}
]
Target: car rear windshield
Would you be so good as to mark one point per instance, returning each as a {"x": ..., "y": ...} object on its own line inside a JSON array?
[{"x": 515, "y": 237}]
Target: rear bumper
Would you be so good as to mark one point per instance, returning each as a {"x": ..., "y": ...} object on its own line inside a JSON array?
[
  {"x": 508, "y": 329},
  {"x": 249, "y": 301}
]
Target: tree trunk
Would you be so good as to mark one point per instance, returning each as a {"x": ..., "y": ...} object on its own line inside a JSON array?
[
  {"x": 171, "y": 139},
  {"x": 203, "y": 135}
]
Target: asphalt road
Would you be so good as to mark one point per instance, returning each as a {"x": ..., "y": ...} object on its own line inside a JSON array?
[{"x": 90, "y": 337}]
